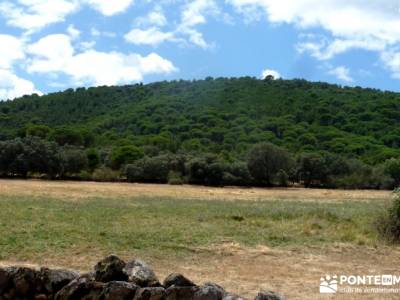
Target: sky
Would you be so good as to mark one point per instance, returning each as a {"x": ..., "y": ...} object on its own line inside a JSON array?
[{"x": 52, "y": 45}]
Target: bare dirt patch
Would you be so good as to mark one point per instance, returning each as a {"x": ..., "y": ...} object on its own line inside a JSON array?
[{"x": 295, "y": 273}]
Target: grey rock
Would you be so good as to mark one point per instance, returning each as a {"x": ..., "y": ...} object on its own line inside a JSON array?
[
  {"x": 140, "y": 273},
  {"x": 181, "y": 292},
  {"x": 268, "y": 295},
  {"x": 82, "y": 288},
  {"x": 177, "y": 280},
  {"x": 209, "y": 291},
  {"x": 150, "y": 293},
  {"x": 119, "y": 290},
  {"x": 54, "y": 280},
  {"x": 110, "y": 269}
]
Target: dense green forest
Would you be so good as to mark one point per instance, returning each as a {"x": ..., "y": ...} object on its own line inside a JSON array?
[{"x": 241, "y": 131}]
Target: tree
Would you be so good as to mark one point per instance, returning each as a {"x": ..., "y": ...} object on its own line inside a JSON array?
[
  {"x": 312, "y": 169},
  {"x": 93, "y": 158},
  {"x": 41, "y": 131},
  {"x": 67, "y": 136},
  {"x": 126, "y": 155},
  {"x": 392, "y": 168},
  {"x": 72, "y": 161},
  {"x": 266, "y": 160}
]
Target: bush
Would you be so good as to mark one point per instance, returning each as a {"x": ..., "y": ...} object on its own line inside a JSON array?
[
  {"x": 175, "y": 178},
  {"x": 104, "y": 174},
  {"x": 207, "y": 170},
  {"x": 389, "y": 223},
  {"x": 238, "y": 174},
  {"x": 363, "y": 176},
  {"x": 392, "y": 168},
  {"x": 148, "y": 169}
]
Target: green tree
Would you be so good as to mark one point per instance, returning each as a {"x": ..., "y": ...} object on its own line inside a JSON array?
[
  {"x": 266, "y": 160},
  {"x": 392, "y": 168},
  {"x": 126, "y": 155}
]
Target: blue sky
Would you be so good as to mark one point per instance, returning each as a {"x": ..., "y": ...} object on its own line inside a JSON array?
[{"x": 52, "y": 45}]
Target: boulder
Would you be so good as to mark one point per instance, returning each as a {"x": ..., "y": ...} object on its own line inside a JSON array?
[
  {"x": 119, "y": 290},
  {"x": 54, "y": 280},
  {"x": 6, "y": 279},
  {"x": 210, "y": 291},
  {"x": 140, "y": 273},
  {"x": 110, "y": 269},
  {"x": 25, "y": 281},
  {"x": 150, "y": 293},
  {"x": 82, "y": 288},
  {"x": 181, "y": 292},
  {"x": 177, "y": 280},
  {"x": 268, "y": 295}
]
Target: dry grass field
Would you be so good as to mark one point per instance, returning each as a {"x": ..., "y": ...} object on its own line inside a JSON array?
[{"x": 243, "y": 239}]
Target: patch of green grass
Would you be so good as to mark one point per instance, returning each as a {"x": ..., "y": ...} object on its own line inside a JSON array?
[{"x": 43, "y": 226}]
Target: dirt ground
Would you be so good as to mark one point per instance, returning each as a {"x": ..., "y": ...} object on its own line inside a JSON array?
[{"x": 294, "y": 272}]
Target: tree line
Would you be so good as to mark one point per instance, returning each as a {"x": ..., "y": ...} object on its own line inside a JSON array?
[{"x": 264, "y": 165}]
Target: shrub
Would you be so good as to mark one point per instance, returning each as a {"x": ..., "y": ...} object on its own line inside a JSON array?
[
  {"x": 312, "y": 169},
  {"x": 389, "y": 223},
  {"x": 105, "y": 174},
  {"x": 93, "y": 158},
  {"x": 207, "y": 170},
  {"x": 392, "y": 168},
  {"x": 148, "y": 169},
  {"x": 175, "y": 178},
  {"x": 238, "y": 174}
]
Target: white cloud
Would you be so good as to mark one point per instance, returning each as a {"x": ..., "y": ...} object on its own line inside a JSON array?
[
  {"x": 12, "y": 86},
  {"x": 343, "y": 18},
  {"x": 342, "y": 73},
  {"x": 33, "y": 15},
  {"x": 73, "y": 32},
  {"x": 97, "y": 33},
  {"x": 391, "y": 60},
  {"x": 192, "y": 14},
  {"x": 155, "y": 17},
  {"x": 324, "y": 49},
  {"x": 91, "y": 66},
  {"x": 110, "y": 7},
  {"x": 151, "y": 36},
  {"x": 51, "y": 53},
  {"x": 372, "y": 25},
  {"x": 11, "y": 50},
  {"x": 269, "y": 72}
]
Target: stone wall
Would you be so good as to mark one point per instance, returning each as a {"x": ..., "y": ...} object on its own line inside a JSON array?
[{"x": 112, "y": 279}]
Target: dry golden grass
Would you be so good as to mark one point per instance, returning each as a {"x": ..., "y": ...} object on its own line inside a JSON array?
[{"x": 69, "y": 190}]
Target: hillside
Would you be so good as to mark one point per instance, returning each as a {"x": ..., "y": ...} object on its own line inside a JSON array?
[{"x": 222, "y": 116}]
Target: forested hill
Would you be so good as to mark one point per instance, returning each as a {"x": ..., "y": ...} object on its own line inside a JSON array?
[
  {"x": 220, "y": 115},
  {"x": 225, "y": 117}
]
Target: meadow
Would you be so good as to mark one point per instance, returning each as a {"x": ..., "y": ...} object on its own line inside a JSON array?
[{"x": 244, "y": 239}]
